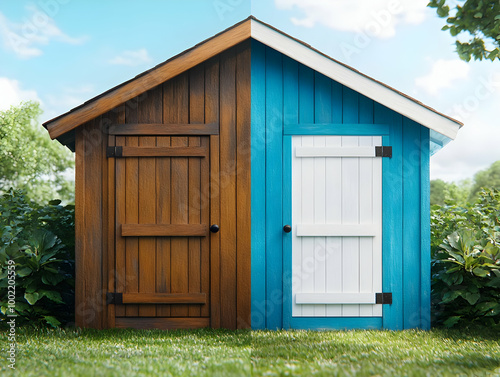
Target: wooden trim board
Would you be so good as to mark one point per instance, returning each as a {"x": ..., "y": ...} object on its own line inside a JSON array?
[
  {"x": 335, "y": 298},
  {"x": 167, "y": 230},
  {"x": 158, "y": 129},
  {"x": 148, "y": 80},
  {"x": 164, "y": 298}
]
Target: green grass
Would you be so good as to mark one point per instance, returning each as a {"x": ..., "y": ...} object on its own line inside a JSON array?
[{"x": 259, "y": 353}]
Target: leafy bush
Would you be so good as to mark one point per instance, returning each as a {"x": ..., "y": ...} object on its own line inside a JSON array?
[
  {"x": 466, "y": 262},
  {"x": 39, "y": 242}
]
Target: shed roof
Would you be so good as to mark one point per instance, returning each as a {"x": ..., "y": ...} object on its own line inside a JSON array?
[{"x": 443, "y": 128}]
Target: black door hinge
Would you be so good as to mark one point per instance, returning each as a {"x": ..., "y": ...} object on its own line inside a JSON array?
[
  {"x": 114, "y": 298},
  {"x": 114, "y": 152},
  {"x": 383, "y": 151},
  {"x": 383, "y": 298}
]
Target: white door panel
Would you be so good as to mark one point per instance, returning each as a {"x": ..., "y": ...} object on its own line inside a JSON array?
[{"x": 337, "y": 226}]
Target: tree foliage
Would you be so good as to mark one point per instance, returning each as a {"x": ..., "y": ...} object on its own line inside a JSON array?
[
  {"x": 465, "y": 246},
  {"x": 479, "y": 20},
  {"x": 29, "y": 159},
  {"x": 37, "y": 259},
  {"x": 489, "y": 177},
  {"x": 442, "y": 191},
  {"x": 466, "y": 191}
]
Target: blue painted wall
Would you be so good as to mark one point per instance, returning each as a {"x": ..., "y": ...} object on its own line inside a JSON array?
[{"x": 288, "y": 95}]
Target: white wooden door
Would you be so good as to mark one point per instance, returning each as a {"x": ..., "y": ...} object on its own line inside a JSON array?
[{"x": 337, "y": 226}]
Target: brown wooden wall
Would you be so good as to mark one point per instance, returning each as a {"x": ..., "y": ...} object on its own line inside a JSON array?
[{"x": 224, "y": 82}]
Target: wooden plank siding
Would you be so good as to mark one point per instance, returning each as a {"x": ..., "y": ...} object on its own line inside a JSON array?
[
  {"x": 216, "y": 92},
  {"x": 304, "y": 102}
]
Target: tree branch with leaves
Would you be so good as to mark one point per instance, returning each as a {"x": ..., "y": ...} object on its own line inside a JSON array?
[{"x": 477, "y": 20}]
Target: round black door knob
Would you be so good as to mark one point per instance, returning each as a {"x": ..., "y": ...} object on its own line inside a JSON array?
[
  {"x": 287, "y": 228},
  {"x": 214, "y": 228}
]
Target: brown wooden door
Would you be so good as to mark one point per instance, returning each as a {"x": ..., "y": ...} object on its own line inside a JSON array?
[{"x": 162, "y": 239}]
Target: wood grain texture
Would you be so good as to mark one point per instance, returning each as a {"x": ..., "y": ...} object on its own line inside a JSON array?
[
  {"x": 164, "y": 298},
  {"x": 80, "y": 230},
  {"x": 109, "y": 174},
  {"x": 164, "y": 230},
  {"x": 180, "y": 201},
  {"x": 162, "y": 196},
  {"x": 141, "y": 84},
  {"x": 212, "y": 98},
  {"x": 164, "y": 129},
  {"x": 228, "y": 188},
  {"x": 243, "y": 186},
  {"x": 120, "y": 218},
  {"x": 149, "y": 109},
  {"x": 131, "y": 195},
  {"x": 163, "y": 152},
  {"x": 196, "y": 115},
  {"x": 89, "y": 298}
]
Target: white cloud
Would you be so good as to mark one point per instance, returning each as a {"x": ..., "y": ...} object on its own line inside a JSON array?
[
  {"x": 38, "y": 29},
  {"x": 376, "y": 18},
  {"x": 443, "y": 74},
  {"x": 11, "y": 93},
  {"x": 132, "y": 58}
]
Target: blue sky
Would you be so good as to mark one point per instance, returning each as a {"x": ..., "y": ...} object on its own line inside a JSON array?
[{"x": 63, "y": 52}]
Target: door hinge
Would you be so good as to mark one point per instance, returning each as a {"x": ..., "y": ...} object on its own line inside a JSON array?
[
  {"x": 383, "y": 298},
  {"x": 383, "y": 151},
  {"x": 114, "y": 151},
  {"x": 114, "y": 298}
]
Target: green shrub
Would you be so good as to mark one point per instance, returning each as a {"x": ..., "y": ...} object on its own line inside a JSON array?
[
  {"x": 466, "y": 262},
  {"x": 37, "y": 242}
]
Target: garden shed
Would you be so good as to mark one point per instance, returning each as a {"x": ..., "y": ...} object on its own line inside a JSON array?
[{"x": 252, "y": 181}]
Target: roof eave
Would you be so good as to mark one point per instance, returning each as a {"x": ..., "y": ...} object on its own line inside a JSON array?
[
  {"x": 355, "y": 80},
  {"x": 279, "y": 41},
  {"x": 149, "y": 79}
]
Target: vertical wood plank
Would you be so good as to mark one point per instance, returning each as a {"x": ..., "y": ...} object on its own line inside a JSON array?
[
  {"x": 212, "y": 115},
  {"x": 350, "y": 203},
  {"x": 392, "y": 208},
  {"x": 105, "y": 219},
  {"x": 196, "y": 115},
  {"x": 377, "y": 219},
  {"x": 366, "y": 216},
  {"x": 115, "y": 116},
  {"x": 306, "y": 115},
  {"x": 205, "y": 219},
  {"x": 131, "y": 211},
  {"x": 180, "y": 206},
  {"x": 297, "y": 195},
  {"x": 149, "y": 110},
  {"x": 92, "y": 263},
  {"x": 291, "y": 179},
  {"x": 319, "y": 165},
  {"x": 333, "y": 262},
  {"x": 164, "y": 198},
  {"x": 350, "y": 215},
  {"x": 258, "y": 213},
  {"x": 274, "y": 197},
  {"x": 228, "y": 188},
  {"x": 323, "y": 114},
  {"x": 80, "y": 294},
  {"x": 337, "y": 102},
  {"x": 425, "y": 231},
  {"x": 243, "y": 184},
  {"x": 120, "y": 214},
  {"x": 411, "y": 221}
]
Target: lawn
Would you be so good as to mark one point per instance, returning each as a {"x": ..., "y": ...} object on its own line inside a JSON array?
[{"x": 253, "y": 353}]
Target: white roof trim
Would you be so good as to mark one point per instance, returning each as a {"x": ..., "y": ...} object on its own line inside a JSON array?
[{"x": 354, "y": 80}]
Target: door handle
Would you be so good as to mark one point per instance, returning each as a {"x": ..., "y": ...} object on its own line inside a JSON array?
[
  {"x": 287, "y": 228},
  {"x": 214, "y": 228}
]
